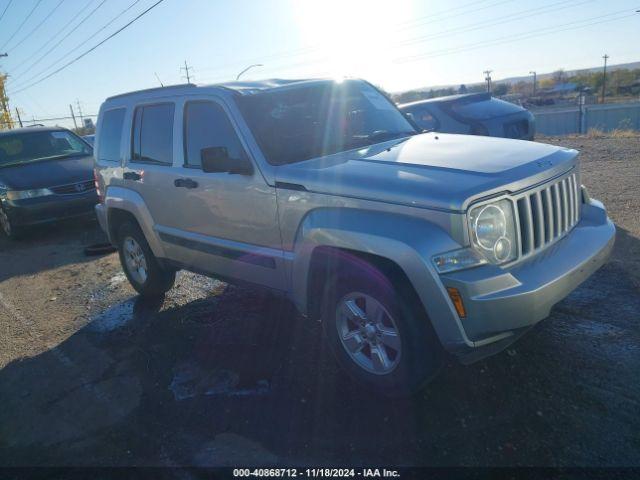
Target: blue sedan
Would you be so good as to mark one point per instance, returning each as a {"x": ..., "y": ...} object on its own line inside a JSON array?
[{"x": 472, "y": 114}]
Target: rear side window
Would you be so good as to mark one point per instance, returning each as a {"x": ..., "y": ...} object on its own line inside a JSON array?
[
  {"x": 111, "y": 135},
  {"x": 207, "y": 125},
  {"x": 153, "y": 134}
]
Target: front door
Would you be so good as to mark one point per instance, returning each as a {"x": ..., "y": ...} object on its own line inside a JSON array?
[{"x": 227, "y": 223}]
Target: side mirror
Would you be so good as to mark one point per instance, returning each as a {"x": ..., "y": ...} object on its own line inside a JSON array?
[{"x": 217, "y": 160}]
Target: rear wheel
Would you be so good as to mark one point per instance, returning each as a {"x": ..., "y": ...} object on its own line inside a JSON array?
[
  {"x": 378, "y": 331},
  {"x": 139, "y": 263}
]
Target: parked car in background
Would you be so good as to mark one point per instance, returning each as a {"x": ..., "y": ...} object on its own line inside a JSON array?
[
  {"x": 473, "y": 114},
  {"x": 89, "y": 139},
  {"x": 46, "y": 174},
  {"x": 405, "y": 245}
]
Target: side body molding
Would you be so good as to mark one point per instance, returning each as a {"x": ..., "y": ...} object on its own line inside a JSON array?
[
  {"x": 130, "y": 201},
  {"x": 410, "y": 242}
]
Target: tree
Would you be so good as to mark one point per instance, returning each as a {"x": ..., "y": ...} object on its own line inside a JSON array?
[
  {"x": 559, "y": 76},
  {"x": 5, "y": 115},
  {"x": 500, "y": 89}
]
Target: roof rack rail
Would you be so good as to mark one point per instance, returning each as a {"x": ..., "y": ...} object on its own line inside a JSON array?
[{"x": 155, "y": 89}]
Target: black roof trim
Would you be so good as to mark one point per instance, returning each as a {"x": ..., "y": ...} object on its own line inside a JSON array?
[{"x": 148, "y": 90}]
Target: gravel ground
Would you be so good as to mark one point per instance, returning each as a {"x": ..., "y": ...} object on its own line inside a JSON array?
[{"x": 222, "y": 375}]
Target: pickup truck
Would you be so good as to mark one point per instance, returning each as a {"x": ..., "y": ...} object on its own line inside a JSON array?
[{"x": 407, "y": 246}]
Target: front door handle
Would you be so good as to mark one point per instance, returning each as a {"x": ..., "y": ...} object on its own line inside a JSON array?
[
  {"x": 132, "y": 176},
  {"x": 185, "y": 183}
]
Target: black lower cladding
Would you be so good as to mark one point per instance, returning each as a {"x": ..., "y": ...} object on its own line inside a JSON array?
[{"x": 230, "y": 253}]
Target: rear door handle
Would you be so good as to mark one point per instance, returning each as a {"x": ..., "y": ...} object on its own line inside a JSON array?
[
  {"x": 132, "y": 176},
  {"x": 185, "y": 183}
]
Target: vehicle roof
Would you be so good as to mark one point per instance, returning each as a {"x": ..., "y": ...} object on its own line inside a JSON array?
[
  {"x": 238, "y": 87},
  {"x": 5, "y": 133},
  {"x": 463, "y": 97}
]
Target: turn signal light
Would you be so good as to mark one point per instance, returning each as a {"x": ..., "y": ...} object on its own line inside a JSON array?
[{"x": 456, "y": 298}]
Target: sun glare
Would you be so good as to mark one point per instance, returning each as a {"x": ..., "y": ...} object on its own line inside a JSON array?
[{"x": 351, "y": 36}]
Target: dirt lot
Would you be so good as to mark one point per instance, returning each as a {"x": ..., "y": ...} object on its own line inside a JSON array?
[{"x": 221, "y": 375}]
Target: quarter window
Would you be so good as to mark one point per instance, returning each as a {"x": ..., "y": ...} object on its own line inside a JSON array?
[
  {"x": 153, "y": 134},
  {"x": 207, "y": 125},
  {"x": 111, "y": 135}
]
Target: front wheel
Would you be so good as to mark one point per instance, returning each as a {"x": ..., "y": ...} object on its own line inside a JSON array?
[
  {"x": 140, "y": 265},
  {"x": 378, "y": 331},
  {"x": 10, "y": 230}
]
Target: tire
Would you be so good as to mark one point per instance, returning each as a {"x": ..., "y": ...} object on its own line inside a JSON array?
[
  {"x": 7, "y": 228},
  {"x": 151, "y": 280},
  {"x": 413, "y": 356}
]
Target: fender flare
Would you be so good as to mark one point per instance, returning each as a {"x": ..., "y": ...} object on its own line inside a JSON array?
[
  {"x": 409, "y": 242},
  {"x": 130, "y": 201}
]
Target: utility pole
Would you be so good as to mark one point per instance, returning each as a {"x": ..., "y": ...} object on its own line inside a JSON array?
[
  {"x": 604, "y": 77},
  {"x": 186, "y": 69},
  {"x": 488, "y": 79},
  {"x": 534, "y": 81},
  {"x": 73, "y": 116},
  {"x": 18, "y": 115},
  {"x": 80, "y": 113}
]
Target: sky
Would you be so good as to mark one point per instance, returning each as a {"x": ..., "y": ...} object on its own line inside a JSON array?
[{"x": 396, "y": 44}]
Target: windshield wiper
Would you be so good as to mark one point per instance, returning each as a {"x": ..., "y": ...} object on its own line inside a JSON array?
[{"x": 383, "y": 135}]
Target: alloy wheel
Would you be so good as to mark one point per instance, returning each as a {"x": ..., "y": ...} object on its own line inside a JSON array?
[
  {"x": 135, "y": 260},
  {"x": 368, "y": 333}
]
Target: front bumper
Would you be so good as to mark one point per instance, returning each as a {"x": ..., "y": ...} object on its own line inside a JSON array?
[
  {"x": 501, "y": 303},
  {"x": 34, "y": 211}
]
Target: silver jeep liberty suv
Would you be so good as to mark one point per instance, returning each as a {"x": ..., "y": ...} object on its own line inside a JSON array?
[{"x": 406, "y": 245}]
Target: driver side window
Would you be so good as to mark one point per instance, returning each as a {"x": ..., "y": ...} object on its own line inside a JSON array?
[{"x": 206, "y": 125}]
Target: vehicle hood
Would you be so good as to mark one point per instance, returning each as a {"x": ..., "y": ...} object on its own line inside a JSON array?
[
  {"x": 432, "y": 170},
  {"x": 48, "y": 173}
]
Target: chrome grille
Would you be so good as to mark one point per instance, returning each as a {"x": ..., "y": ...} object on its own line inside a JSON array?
[
  {"x": 74, "y": 188},
  {"x": 547, "y": 213}
]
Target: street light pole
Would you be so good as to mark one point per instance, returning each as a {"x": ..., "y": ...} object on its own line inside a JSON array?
[
  {"x": 249, "y": 67},
  {"x": 604, "y": 76}
]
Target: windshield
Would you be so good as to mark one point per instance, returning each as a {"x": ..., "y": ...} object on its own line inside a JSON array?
[
  {"x": 40, "y": 145},
  {"x": 297, "y": 124}
]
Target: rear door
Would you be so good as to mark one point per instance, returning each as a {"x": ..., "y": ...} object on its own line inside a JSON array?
[
  {"x": 223, "y": 223},
  {"x": 149, "y": 167}
]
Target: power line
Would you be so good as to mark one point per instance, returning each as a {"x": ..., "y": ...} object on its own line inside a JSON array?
[
  {"x": 84, "y": 42},
  {"x": 421, "y": 39},
  {"x": 497, "y": 21},
  {"x": 312, "y": 48},
  {"x": 38, "y": 25},
  {"x": 92, "y": 48},
  {"x": 22, "y": 24},
  {"x": 55, "y": 35},
  {"x": 5, "y": 9},
  {"x": 43, "y": 56},
  {"x": 525, "y": 35}
]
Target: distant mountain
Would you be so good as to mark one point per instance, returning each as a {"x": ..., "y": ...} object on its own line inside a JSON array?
[
  {"x": 527, "y": 78},
  {"x": 541, "y": 76}
]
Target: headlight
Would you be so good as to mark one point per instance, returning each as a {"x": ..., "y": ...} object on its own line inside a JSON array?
[
  {"x": 493, "y": 232},
  {"x": 22, "y": 194}
]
